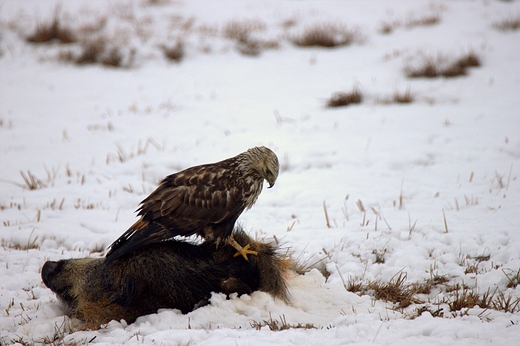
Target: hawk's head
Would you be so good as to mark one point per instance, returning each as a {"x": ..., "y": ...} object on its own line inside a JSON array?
[{"x": 266, "y": 163}]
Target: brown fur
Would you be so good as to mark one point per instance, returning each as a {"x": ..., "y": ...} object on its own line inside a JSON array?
[{"x": 172, "y": 274}]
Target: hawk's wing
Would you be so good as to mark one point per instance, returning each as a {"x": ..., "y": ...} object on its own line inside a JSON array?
[{"x": 183, "y": 204}]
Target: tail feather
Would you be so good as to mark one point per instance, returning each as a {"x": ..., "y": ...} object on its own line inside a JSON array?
[{"x": 138, "y": 235}]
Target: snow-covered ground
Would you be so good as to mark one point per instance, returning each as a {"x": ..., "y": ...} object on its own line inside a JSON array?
[{"x": 437, "y": 178}]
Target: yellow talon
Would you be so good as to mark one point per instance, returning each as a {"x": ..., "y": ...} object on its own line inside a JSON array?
[{"x": 245, "y": 251}]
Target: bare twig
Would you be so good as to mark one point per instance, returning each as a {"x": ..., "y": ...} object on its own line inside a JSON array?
[
  {"x": 326, "y": 215},
  {"x": 445, "y": 222}
]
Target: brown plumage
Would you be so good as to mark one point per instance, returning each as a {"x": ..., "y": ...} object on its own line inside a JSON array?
[{"x": 205, "y": 200}]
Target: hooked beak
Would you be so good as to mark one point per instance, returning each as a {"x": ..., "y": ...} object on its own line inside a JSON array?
[{"x": 270, "y": 185}]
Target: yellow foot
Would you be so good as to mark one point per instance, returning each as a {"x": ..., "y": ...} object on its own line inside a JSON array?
[{"x": 245, "y": 251}]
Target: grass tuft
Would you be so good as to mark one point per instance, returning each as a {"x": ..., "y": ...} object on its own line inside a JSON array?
[
  {"x": 112, "y": 58},
  {"x": 400, "y": 97},
  {"x": 513, "y": 278},
  {"x": 281, "y": 324},
  {"x": 341, "y": 99},
  {"x": 387, "y": 27},
  {"x": 57, "y": 338},
  {"x": 471, "y": 59},
  {"x": 31, "y": 182},
  {"x": 403, "y": 97},
  {"x": 175, "y": 52},
  {"x": 506, "y": 304},
  {"x": 426, "y": 20},
  {"x": 29, "y": 245},
  {"x": 100, "y": 51},
  {"x": 380, "y": 256},
  {"x": 52, "y": 31},
  {"x": 463, "y": 298},
  {"x": 395, "y": 291},
  {"x": 354, "y": 285},
  {"x": 243, "y": 33},
  {"x": 459, "y": 297},
  {"x": 422, "y": 309},
  {"x": 241, "y": 30},
  {"x": 508, "y": 24},
  {"x": 91, "y": 51},
  {"x": 433, "y": 67},
  {"x": 325, "y": 35}
]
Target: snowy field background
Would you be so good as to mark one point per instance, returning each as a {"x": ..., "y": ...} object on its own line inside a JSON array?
[{"x": 367, "y": 192}]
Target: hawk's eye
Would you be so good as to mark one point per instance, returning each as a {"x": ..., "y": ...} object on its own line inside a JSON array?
[{"x": 268, "y": 171}]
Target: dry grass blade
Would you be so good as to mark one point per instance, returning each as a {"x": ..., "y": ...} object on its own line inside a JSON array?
[
  {"x": 326, "y": 214},
  {"x": 513, "y": 278},
  {"x": 31, "y": 182},
  {"x": 445, "y": 221}
]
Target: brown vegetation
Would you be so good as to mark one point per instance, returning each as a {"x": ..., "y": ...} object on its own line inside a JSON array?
[
  {"x": 101, "y": 51},
  {"x": 52, "y": 31},
  {"x": 340, "y": 99},
  {"x": 400, "y": 97},
  {"x": 243, "y": 33},
  {"x": 458, "y": 298},
  {"x": 428, "y": 19},
  {"x": 388, "y": 26},
  {"x": 175, "y": 52},
  {"x": 433, "y": 67},
  {"x": 508, "y": 24},
  {"x": 325, "y": 35},
  {"x": 281, "y": 324}
]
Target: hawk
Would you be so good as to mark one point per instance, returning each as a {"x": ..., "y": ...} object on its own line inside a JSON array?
[{"x": 205, "y": 200}]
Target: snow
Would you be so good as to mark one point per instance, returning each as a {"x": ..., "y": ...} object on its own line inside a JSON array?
[{"x": 438, "y": 178}]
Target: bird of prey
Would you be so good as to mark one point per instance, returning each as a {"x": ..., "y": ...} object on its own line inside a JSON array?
[{"x": 205, "y": 200}]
